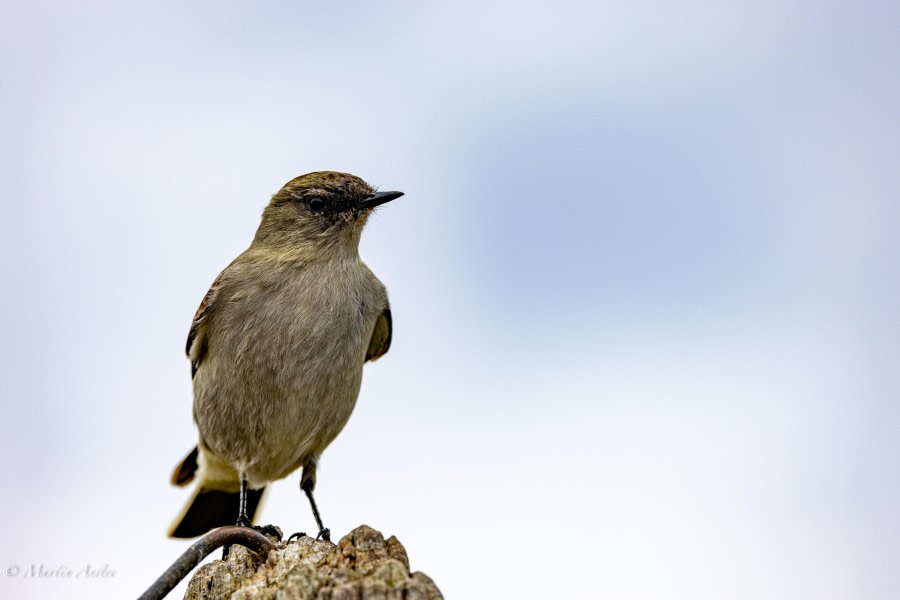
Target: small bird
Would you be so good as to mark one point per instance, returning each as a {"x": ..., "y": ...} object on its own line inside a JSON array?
[{"x": 277, "y": 349}]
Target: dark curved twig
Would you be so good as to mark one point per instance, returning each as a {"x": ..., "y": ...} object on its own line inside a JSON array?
[{"x": 244, "y": 536}]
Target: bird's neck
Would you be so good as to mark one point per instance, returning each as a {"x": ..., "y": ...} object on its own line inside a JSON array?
[{"x": 307, "y": 249}]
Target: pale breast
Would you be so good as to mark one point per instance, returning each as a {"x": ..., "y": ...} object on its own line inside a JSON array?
[{"x": 284, "y": 363}]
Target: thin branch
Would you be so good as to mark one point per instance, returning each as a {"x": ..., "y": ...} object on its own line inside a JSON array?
[{"x": 244, "y": 536}]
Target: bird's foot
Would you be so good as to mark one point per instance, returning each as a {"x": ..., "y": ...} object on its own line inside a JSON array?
[
  {"x": 270, "y": 531},
  {"x": 243, "y": 521},
  {"x": 324, "y": 535},
  {"x": 297, "y": 535},
  {"x": 267, "y": 530}
]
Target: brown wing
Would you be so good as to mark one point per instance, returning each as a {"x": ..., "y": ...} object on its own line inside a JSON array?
[
  {"x": 381, "y": 336},
  {"x": 184, "y": 472},
  {"x": 196, "y": 341}
]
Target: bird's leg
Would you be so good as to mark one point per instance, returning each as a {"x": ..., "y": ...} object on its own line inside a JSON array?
[
  {"x": 324, "y": 532},
  {"x": 243, "y": 520},
  {"x": 307, "y": 483}
]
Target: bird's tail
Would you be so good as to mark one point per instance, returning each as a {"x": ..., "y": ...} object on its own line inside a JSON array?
[{"x": 208, "y": 509}]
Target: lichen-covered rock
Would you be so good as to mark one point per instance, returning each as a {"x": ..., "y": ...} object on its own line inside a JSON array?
[{"x": 361, "y": 566}]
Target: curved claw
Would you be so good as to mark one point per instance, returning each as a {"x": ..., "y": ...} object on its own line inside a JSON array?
[
  {"x": 297, "y": 535},
  {"x": 324, "y": 535}
]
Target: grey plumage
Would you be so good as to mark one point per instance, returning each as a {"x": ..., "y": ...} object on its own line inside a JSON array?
[{"x": 278, "y": 344}]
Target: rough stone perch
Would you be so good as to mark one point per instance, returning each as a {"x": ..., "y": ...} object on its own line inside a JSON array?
[{"x": 362, "y": 566}]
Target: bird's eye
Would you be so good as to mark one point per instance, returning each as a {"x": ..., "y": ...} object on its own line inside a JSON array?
[{"x": 316, "y": 203}]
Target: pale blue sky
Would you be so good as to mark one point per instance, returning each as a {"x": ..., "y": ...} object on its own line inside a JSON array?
[{"x": 644, "y": 279}]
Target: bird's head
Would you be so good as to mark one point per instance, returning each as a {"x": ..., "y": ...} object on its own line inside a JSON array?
[{"x": 323, "y": 209}]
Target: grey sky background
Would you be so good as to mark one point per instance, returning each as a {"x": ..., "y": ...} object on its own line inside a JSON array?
[{"x": 645, "y": 283}]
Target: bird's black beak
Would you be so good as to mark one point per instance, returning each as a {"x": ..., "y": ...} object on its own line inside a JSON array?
[{"x": 376, "y": 198}]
